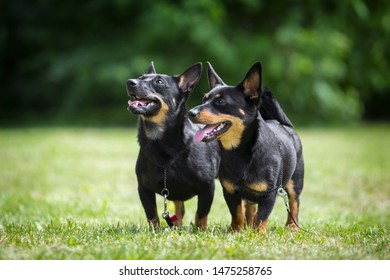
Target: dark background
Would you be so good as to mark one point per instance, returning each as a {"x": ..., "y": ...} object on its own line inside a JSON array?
[{"x": 66, "y": 62}]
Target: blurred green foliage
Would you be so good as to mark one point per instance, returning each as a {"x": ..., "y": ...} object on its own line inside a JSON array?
[{"x": 68, "y": 61}]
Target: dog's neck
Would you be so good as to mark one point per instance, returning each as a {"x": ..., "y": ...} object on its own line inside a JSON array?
[
  {"x": 242, "y": 155},
  {"x": 160, "y": 142},
  {"x": 242, "y": 151}
]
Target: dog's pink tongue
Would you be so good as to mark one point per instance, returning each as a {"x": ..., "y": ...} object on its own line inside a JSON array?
[{"x": 200, "y": 134}]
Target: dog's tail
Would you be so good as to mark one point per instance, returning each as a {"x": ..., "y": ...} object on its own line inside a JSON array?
[{"x": 270, "y": 108}]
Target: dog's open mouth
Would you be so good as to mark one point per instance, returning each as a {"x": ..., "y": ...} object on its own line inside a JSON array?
[
  {"x": 142, "y": 105},
  {"x": 140, "y": 102},
  {"x": 211, "y": 131}
]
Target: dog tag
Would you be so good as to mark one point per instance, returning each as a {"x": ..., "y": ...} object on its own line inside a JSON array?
[{"x": 170, "y": 220}]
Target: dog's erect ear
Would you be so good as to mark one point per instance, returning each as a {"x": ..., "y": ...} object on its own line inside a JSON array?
[
  {"x": 214, "y": 79},
  {"x": 151, "y": 69},
  {"x": 251, "y": 85},
  {"x": 189, "y": 78}
]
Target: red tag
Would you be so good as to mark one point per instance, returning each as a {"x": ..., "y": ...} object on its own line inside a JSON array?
[{"x": 173, "y": 218}]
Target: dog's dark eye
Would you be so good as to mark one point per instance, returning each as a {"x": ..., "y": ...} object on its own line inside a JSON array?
[
  {"x": 220, "y": 102},
  {"x": 159, "y": 82}
]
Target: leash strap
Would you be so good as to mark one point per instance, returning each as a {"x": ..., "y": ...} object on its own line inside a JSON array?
[{"x": 283, "y": 194}]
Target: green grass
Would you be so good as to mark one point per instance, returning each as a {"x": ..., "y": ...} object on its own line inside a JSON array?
[{"x": 72, "y": 194}]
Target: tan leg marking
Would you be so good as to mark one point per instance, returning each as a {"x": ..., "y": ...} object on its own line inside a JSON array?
[
  {"x": 179, "y": 211},
  {"x": 250, "y": 213},
  {"x": 262, "y": 225},
  {"x": 294, "y": 206},
  {"x": 155, "y": 222},
  {"x": 238, "y": 220},
  {"x": 201, "y": 223}
]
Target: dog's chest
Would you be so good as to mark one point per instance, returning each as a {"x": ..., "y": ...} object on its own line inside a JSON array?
[
  {"x": 248, "y": 180},
  {"x": 182, "y": 180}
]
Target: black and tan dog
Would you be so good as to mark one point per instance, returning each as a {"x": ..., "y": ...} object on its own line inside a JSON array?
[
  {"x": 165, "y": 136},
  {"x": 259, "y": 152}
]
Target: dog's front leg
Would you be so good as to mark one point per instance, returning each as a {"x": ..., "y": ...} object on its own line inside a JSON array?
[
  {"x": 205, "y": 199},
  {"x": 148, "y": 200},
  {"x": 236, "y": 208},
  {"x": 264, "y": 209}
]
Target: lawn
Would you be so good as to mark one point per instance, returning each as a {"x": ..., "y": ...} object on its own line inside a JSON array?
[{"x": 71, "y": 193}]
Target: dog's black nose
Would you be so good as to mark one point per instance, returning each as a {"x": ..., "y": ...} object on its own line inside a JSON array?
[
  {"x": 193, "y": 113},
  {"x": 132, "y": 83}
]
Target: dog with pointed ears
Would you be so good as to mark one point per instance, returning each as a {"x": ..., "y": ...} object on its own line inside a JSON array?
[
  {"x": 260, "y": 151},
  {"x": 165, "y": 136}
]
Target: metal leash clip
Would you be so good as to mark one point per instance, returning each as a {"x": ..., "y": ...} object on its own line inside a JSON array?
[
  {"x": 283, "y": 194},
  {"x": 165, "y": 214}
]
